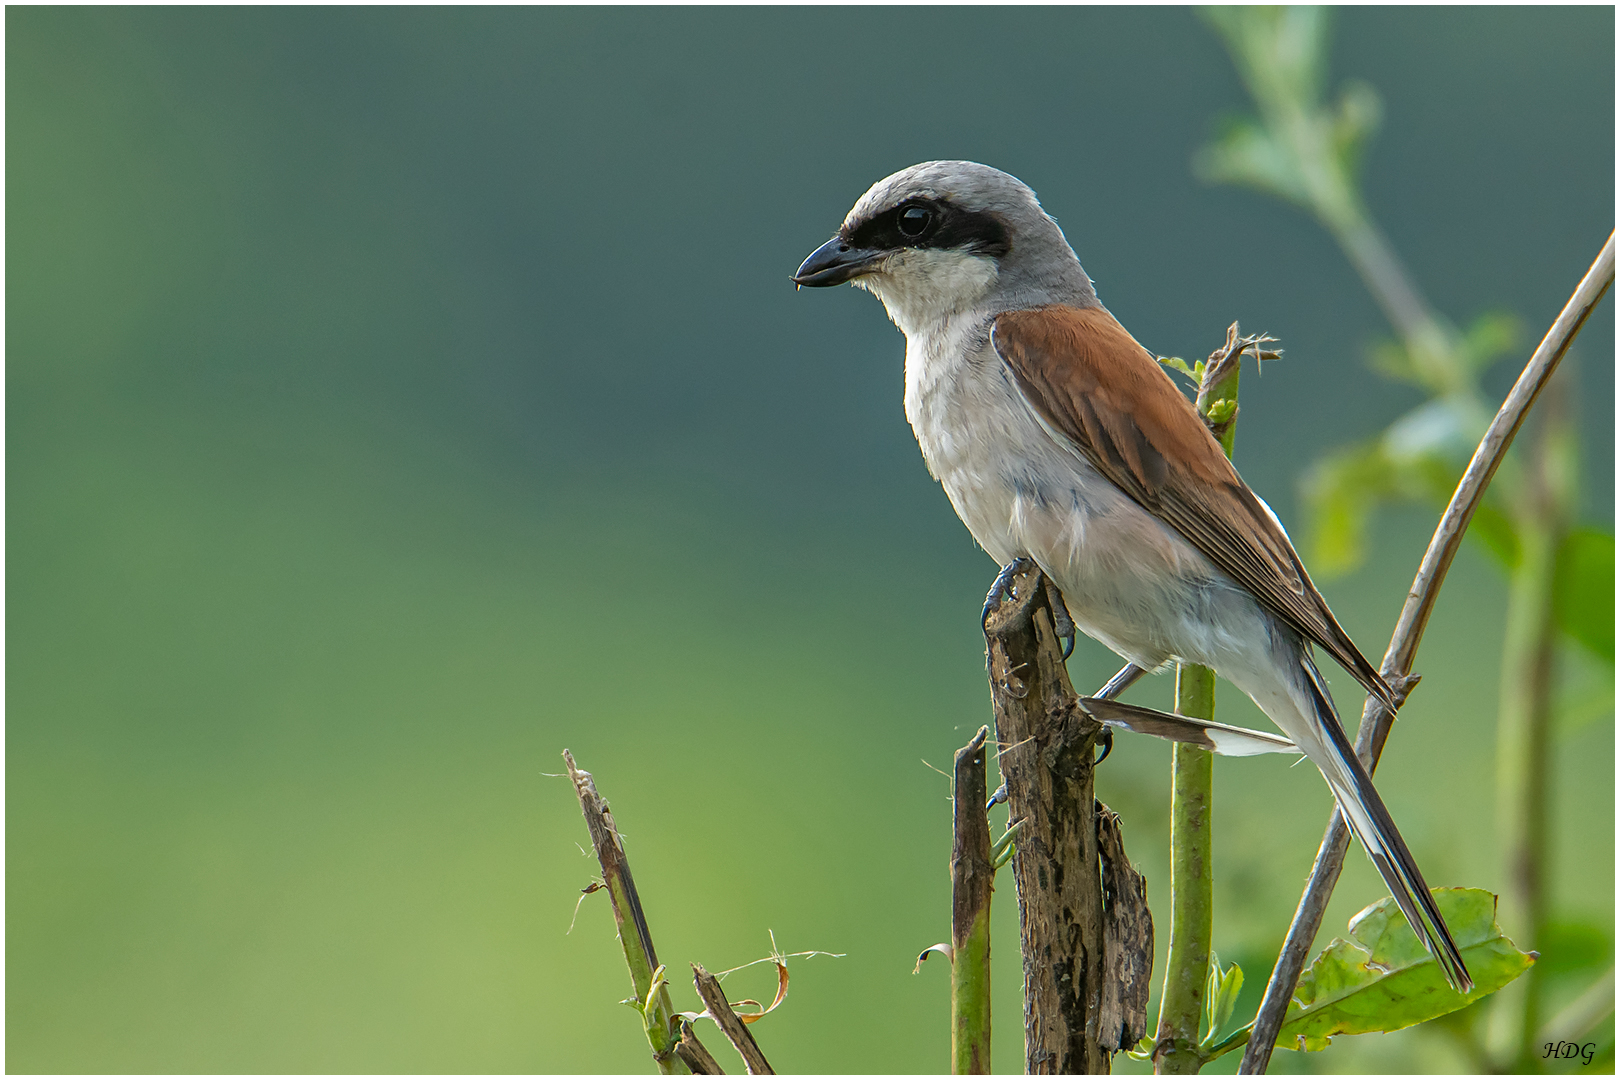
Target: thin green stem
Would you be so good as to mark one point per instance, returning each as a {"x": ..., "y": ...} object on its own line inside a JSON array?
[
  {"x": 1192, "y": 794},
  {"x": 1191, "y": 878},
  {"x": 1237, "y": 1039},
  {"x": 970, "y": 1000},
  {"x": 1542, "y": 511},
  {"x": 1311, "y": 153},
  {"x": 658, "y": 1017}
]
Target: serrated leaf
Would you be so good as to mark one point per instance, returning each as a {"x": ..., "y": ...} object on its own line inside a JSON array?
[
  {"x": 1383, "y": 979},
  {"x": 1583, "y": 590}
]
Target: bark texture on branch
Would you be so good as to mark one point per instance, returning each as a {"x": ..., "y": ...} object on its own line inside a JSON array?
[
  {"x": 1127, "y": 940},
  {"x": 1047, "y": 745},
  {"x": 695, "y": 1054},
  {"x": 730, "y": 1024}
]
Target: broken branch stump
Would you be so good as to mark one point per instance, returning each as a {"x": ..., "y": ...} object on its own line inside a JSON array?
[
  {"x": 1047, "y": 742},
  {"x": 972, "y": 878},
  {"x": 730, "y": 1024}
]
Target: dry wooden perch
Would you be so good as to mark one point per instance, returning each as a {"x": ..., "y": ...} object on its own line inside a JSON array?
[
  {"x": 664, "y": 1032},
  {"x": 721, "y": 1012},
  {"x": 1047, "y": 743}
]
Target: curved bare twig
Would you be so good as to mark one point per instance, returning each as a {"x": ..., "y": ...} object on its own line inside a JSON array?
[{"x": 1375, "y": 718}]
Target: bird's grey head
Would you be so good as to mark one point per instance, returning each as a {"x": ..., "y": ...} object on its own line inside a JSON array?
[{"x": 950, "y": 237}]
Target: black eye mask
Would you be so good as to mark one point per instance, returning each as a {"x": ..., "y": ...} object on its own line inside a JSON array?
[{"x": 930, "y": 223}]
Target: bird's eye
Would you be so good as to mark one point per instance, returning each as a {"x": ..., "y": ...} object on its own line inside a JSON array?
[{"x": 915, "y": 221}]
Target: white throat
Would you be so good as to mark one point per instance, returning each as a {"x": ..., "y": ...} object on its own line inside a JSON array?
[{"x": 923, "y": 287}]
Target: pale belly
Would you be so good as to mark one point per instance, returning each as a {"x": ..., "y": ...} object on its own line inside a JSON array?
[{"x": 1128, "y": 580}]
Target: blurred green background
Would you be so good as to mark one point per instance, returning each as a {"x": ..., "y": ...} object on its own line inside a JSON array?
[{"x": 395, "y": 398}]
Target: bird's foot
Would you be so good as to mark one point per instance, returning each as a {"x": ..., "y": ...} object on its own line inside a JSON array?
[
  {"x": 1005, "y": 588},
  {"x": 1114, "y": 687},
  {"x": 1062, "y": 623}
]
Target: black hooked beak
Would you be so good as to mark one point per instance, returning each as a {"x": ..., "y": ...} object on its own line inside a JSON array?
[{"x": 836, "y": 262}]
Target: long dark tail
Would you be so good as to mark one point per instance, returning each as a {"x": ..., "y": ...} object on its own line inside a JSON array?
[{"x": 1370, "y": 820}]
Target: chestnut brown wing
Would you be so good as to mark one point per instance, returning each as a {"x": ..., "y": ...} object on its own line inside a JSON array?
[{"x": 1094, "y": 385}]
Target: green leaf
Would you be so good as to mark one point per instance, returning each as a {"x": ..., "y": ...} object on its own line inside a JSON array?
[
  {"x": 1585, "y": 692},
  {"x": 1243, "y": 152},
  {"x": 1220, "y": 997},
  {"x": 1383, "y": 979},
  {"x": 1583, "y": 590},
  {"x": 1281, "y": 52},
  {"x": 1441, "y": 427},
  {"x": 1496, "y": 531},
  {"x": 1354, "y": 124},
  {"x": 1142, "y": 1051},
  {"x": 1418, "y": 458},
  {"x": 1176, "y": 363},
  {"x": 1391, "y": 359},
  {"x": 1491, "y": 335},
  {"x": 1001, "y": 852},
  {"x": 1339, "y": 493}
]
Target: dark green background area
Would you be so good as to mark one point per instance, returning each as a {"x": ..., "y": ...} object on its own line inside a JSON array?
[{"x": 395, "y": 398}]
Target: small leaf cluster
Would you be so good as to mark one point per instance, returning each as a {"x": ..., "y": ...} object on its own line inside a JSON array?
[
  {"x": 1195, "y": 371},
  {"x": 1220, "y": 998},
  {"x": 1301, "y": 148},
  {"x": 1298, "y": 148}
]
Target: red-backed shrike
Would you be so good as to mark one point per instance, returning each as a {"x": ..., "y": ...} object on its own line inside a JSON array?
[{"x": 1059, "y": 438}]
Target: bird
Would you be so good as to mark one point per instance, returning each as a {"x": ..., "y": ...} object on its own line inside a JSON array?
[{"x": 1057, "y": 437}]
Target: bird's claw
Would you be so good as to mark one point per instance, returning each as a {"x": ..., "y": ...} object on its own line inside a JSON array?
[
  {"x": 1002, "y": 588},
  {"x": 1000, "y": 795},
  {"x": 1062, "y": 622},
  {"x": 1114, "y": 687}
]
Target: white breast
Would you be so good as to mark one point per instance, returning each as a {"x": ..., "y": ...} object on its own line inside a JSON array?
[{"x": 1127, "y": 578}]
